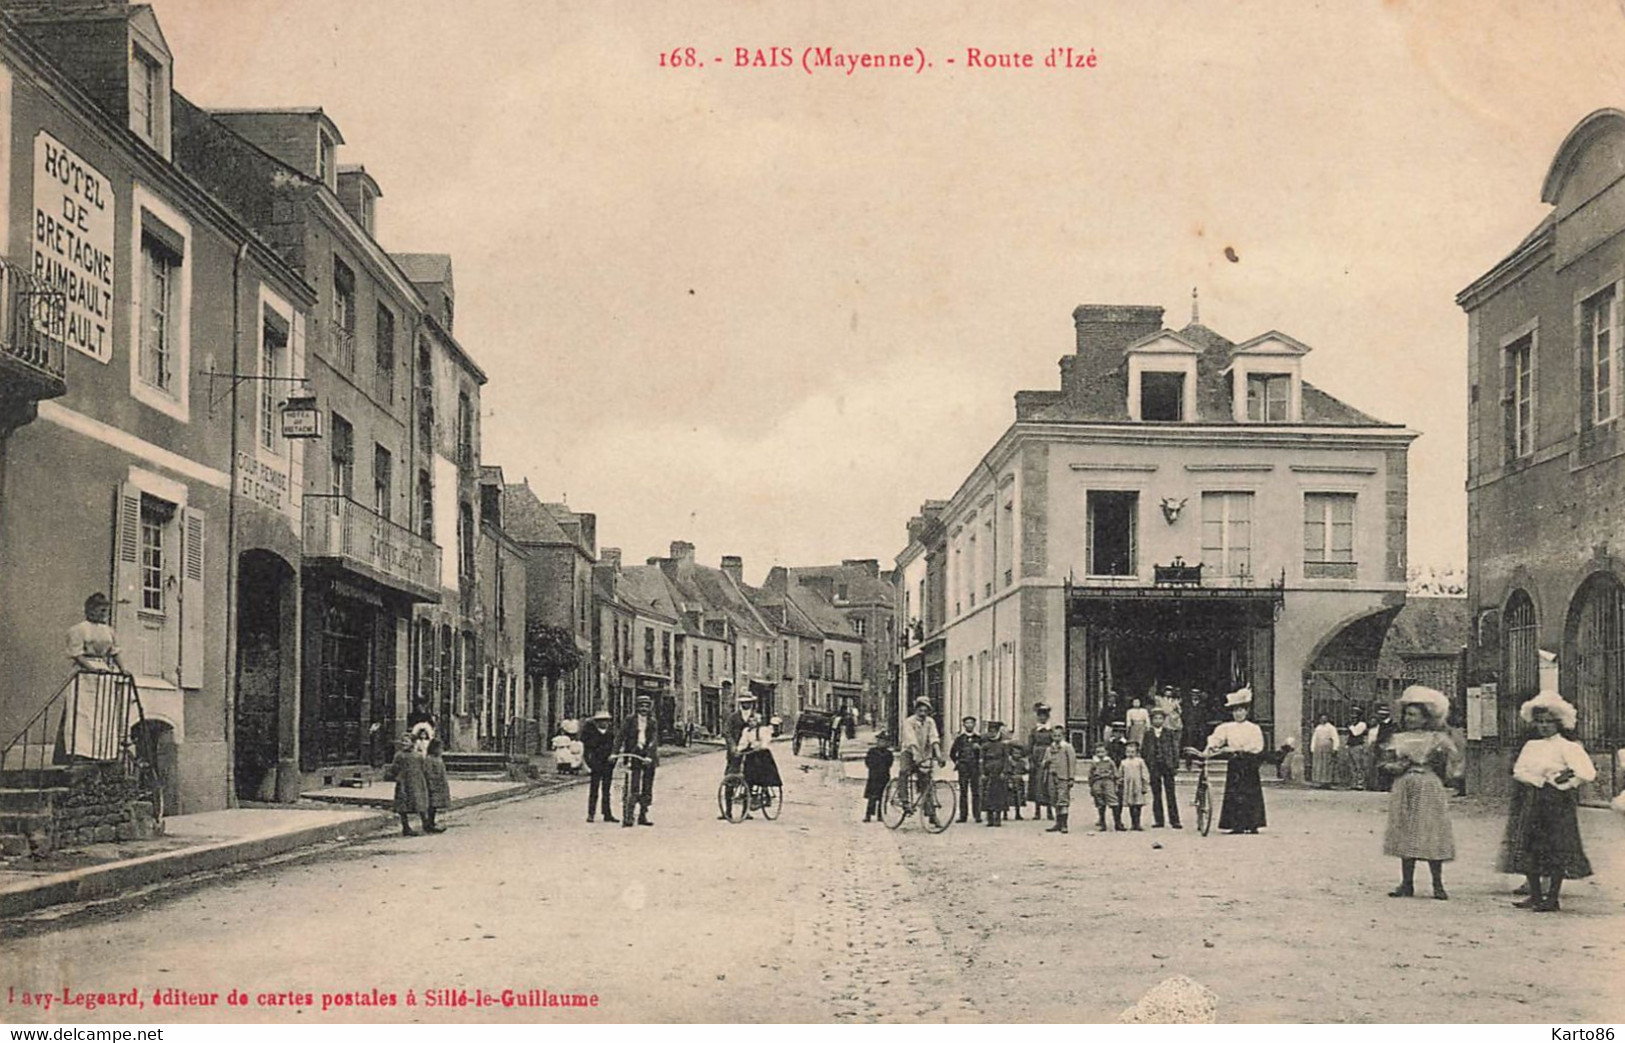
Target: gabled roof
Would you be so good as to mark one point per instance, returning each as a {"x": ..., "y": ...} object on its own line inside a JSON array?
[
  {"x": 1165, "y": 342},
  {"x": 425, "y": 268},
  {"x": 826, "y": 617},
  {"x": 1098, "y": 388},
  {"x": 716, "y": 592},
  {"x": 781, "y": 611},
  {"x": 1256, "y": 346},
  {"x": 526, "y": 519},
  {"x": 644, "y": 587},
  {"x": 862, "y": 588}
]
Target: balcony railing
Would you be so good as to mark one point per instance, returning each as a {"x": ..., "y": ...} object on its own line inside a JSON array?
[
  {"x": 33, "y": 324},
  {"x": 343, "y": 346},
  {"x": 360, "y": 539}
]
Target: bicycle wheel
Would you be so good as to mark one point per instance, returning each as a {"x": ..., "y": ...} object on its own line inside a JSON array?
[
  {"x": 772, "y": 799},
  {"x": 939, "y": 806},
  {"x": 627, "y": 803},
  {"x": 733, "y": 796},
  {"x": 1204, "y": 809},
  {"x": 892, "y": 809}
]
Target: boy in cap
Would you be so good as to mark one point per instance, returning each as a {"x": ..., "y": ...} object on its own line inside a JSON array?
[
  {"x": 966, "y": 753},
  {"x": 878, "y": 763}
]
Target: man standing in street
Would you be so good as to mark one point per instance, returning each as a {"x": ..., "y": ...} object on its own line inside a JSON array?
[
  {"x": 734, "y": 727},
  {"x": 966, "y": 753},
  {"x": 919, "y": 745},
  {"x": 640, "y": 735},
  {"x": 597, "y": 750},
  {"x": 1161, "y": 752}
]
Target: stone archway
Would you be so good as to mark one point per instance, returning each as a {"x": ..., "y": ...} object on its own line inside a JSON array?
[{"x": 1592, "y": 668}]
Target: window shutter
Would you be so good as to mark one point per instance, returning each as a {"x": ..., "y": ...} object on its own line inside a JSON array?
[
  {"x": 193, "y": 610},
  {"x": 126, "y": 592}
]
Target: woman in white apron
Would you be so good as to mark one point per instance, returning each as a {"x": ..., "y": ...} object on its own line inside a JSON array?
[{"x": 94, "y": 725}]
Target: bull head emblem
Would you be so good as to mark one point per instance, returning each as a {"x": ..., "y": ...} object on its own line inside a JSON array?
[{"x": 1171, "y": 508}]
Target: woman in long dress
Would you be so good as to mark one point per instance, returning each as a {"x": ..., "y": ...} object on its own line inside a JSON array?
[
  {"x": 1243, "y": 807},
  {"x": 1420, "y": 759},
  {"x": 91, "y": 725},
  {"x": 1544, "y": 834},
  {"x": 1324, "y": 743}
]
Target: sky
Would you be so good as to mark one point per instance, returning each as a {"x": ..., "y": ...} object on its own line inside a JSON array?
[{"x": 769, "y": 312}]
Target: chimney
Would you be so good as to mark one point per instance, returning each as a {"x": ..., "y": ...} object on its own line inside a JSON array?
[
  {"x": 868, "y": 565},
  {"x": 1107, "y": 328},
  {"x": 734, "y": 566},
  {"x": 682, "y": 550},
  {"x": 610, "y": 556}
]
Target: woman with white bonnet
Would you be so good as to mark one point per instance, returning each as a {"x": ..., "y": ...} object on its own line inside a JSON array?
[
  {"x": 1420, "y": 759},
  {"x": 1544, "y": 836},
  {"x": 1243, "y": 807}
]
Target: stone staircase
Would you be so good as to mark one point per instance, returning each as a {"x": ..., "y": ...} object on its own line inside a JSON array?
[
  {"x": 482, "y": 765},
  {"x": 66, "y": 806}
]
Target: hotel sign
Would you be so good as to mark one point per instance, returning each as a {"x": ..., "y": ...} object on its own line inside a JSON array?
[
  {"x": 74, "y": 221},
  {"x": 301, "y": 419}
]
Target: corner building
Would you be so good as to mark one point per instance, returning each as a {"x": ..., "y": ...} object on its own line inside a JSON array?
[
  {"x": 1186, "y": 510},
  {"x": 1546, "y": 463}
]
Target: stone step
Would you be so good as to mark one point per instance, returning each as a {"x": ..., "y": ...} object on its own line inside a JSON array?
[
  {"x": 51, "y": 776},
  {"x": 471, "y": 763},
  {"x": 30, "y": 799},
  {"x": 25, "y": 822}
]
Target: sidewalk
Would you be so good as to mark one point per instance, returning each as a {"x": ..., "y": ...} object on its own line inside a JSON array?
[{"x": 213, "y": 840}]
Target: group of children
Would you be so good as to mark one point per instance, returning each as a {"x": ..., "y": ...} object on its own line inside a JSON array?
[
  {"x": 1118, "y": 779},
  {"x": 419, "y": 774}
]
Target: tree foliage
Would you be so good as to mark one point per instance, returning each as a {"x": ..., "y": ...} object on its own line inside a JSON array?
[{"x": 550, "y": 652}]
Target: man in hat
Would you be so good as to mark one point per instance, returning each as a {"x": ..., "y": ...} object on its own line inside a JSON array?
[
  {"x": 597, "y": 750},
  {"x": 1355, "y": 750},
  {"x": 734, "y": 727},
  {"x": 1160, "y": 749},
  {"x": 640, "y": 735},
  {"x": 919, "y": 744},
  {"x": 1038, "y": 744},
  {"x": 1382, "y": 729},
  {"x": 966, "y": 753}
]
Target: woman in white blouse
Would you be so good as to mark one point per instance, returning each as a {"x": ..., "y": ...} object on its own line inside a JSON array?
[
  {"x": 1544, "y": 836},
  {"x": 1243, "y": 807}
]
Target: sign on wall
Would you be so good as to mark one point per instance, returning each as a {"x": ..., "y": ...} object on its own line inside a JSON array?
[
  {"x": 301, "y": 418},
  {"x": 73, "y": 242}
]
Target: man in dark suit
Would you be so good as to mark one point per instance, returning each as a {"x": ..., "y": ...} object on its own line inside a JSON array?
[
  {"x": 966, "y": 753},
  {"x": 733, "y": 727},
  {"x": 640, "y": 735},
  {"x": 597, "y": 749},
  {"x": 1160, "y": 750}
]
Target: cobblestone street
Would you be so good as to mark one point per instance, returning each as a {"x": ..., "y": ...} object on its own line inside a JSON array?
[{"x": 818, "y": 917}]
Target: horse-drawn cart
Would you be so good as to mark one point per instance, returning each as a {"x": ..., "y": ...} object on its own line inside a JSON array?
[{"x": 822, "y": 725}]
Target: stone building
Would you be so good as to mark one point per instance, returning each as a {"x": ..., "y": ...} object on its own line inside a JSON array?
[
  {"x": 865, "y": 598},
  {"x": 1185, "y": 511},
  {"x": 141, "y": 452},
  {"x": 1546, "y": 460}
]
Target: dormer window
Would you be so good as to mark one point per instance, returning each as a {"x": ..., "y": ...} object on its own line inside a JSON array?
[
  {"x": 1162, "y": 396},
  {"x": 148, "y": 97},
  {"x": 326, "y": 160},
  {"x": 1269, "y": 397},
  {"x": 1266, "y": 380}
]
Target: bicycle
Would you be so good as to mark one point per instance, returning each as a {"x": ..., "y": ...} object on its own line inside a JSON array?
[
  {"x": 936, "y": 799},
  {"x": 1204, "y": 792},
  {"x": 737, "y": 797},
  {"x": 628, "y": 795}
]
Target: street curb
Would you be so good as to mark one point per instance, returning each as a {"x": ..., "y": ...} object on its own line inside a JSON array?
[{"x": 110, "y": 880}]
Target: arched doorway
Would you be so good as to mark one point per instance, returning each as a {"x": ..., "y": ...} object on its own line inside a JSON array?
[
  {"x": 1520, "y": 666},
  {"x": 1593, "y": 666},
  {"x": 265, "y": 670}
]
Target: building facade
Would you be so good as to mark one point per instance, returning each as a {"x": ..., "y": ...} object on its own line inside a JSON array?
[
  {"x": 1186, "y": 511},
  {"x": 139, "y": 456},
  {"x": 1546, "y": 463}
]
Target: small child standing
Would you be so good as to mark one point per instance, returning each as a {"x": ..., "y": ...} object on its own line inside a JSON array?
[
  {"x": 1018, "y": 777},
  {"x": 409, "y": 772},
  {"x": 1103, "y": 787},
  {"x": 1134, "y": 784},
  {"x": 878, "y": 762}
]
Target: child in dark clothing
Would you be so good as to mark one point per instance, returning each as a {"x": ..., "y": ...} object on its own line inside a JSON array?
[{"x": 878, "y": 761}]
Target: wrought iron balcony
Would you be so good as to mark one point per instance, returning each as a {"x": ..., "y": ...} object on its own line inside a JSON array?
[
  {"x": 33, "y": 323},
  {"x": 352, "y": 536}
]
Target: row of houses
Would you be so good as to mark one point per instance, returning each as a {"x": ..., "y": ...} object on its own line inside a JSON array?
[{"x": 228, "y": 406}]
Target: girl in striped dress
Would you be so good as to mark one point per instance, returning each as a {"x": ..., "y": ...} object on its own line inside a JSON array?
[{"x": 1420, "y": 759}]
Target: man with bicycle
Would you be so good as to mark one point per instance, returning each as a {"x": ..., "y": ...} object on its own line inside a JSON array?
[
  {"x": 734, "y": 727},
  {"x": 640, "y": 738},
  {"x": 919, "y": 748}
]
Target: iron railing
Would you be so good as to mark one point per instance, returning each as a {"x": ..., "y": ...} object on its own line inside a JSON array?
[
  {"x": 92, "y": 717},
  {"x": 33, "y": 322},
  {"x": 339, "y": 527}
]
